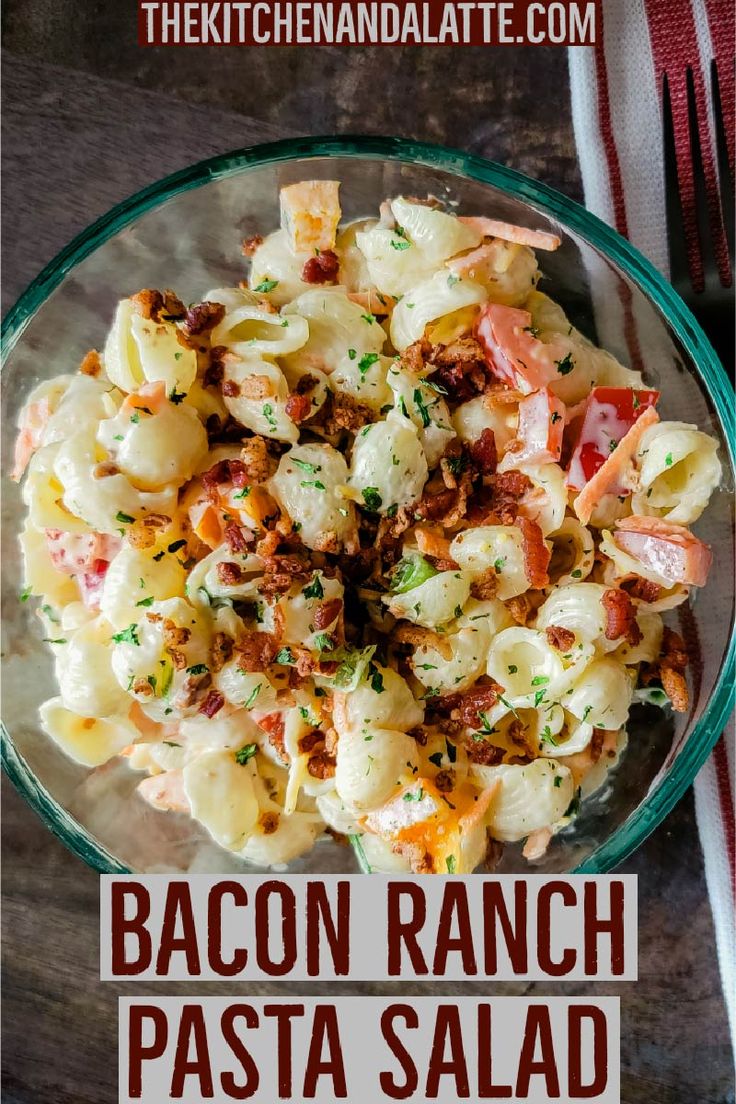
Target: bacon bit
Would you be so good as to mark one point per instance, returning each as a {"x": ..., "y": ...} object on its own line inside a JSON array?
[
  {"x": 507, "y": 488},
  {"x": 520, "y": 608},
  {"x": 670, "y": 668},
  {"x": 414, "y": 357},
  {"x": 507, "y": 231},
  {"x": 174, "y": 636},
  {"x": 212, "y": 704},
  {"x": 140, "y": 537},
  {"x": 559, "y": 638},
  {"x": 642, "y": 589},
  {"x": 485, "y": 586},
  {"x": 322, "y": 268},
  {"x": 419, "y": 734},
  {"x": 298, "y": 407},
  {"x": 224, "y": 471},
  {"x": 620, "y": 617},
  {"x": 483, "y": 452},
  {"x": 203, "y": 317},
  {"x": 477, "y": 700},
  {"x": 173, "y": 306},
  {"x": 269, "y": 823},
  {"x": 435, "y": 505},
  {"x": 419, "y": 859},
  {"x": 444, "y": 780},
  {"x": 345, "y": 412},
  {"x": 215, "y": 370},
  {"x": 596, "y": 744},
  {"x": 322, "y": 765},
  {"x": 432, "y": 543},
  {"x": 91, "y": 364},
  {"x": 326, "y": 613},
  {"x": 536, "y": 553},
  {"x": 259, "y": 463},
  {"x": 180, "y": 661},
  {"x": 222, "y": 649},
  {"x": 460, "y": 368},
  {"x": 675, "y": 687},
  {"x": 142, "y": 686},
  {"x": 148, "y": 303},
  {"x": 310, "y": 741},
  {"x": 483, "y": 753},
  {"x": 249, "y": 245},
  {"x": 256, "y": 652},
  {"x": 273, "y": 725},
  {"x": 536, "y": 844},
  {"x": 229, "y": 574},
  {"x": 235, "y": 538},
  {"x": 419, "y": 637},
  {"x": 268, "y": 543},
  {"x": 230, "y": 389},
  {"x": 156, "y": 521}
]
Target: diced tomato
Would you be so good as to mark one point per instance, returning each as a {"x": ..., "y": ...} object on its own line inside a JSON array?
[
  {"x": 512, "y": 352},
  {"x": 90, "y": 583},
  {"x": 667, "y": 549},
  {"x": 610, "y": 413},
  {"x": 77, "y": 553}
]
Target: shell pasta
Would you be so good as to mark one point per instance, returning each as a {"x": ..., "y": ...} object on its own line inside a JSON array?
[{"x": 374, "y": 544}]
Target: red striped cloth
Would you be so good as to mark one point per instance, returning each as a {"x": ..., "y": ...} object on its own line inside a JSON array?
[{"x": 617, "y": 90}]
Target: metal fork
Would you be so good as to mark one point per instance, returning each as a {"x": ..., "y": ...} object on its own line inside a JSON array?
[{"x": 699, "y": 183}]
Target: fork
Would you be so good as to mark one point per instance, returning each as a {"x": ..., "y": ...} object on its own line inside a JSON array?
[{"x": 699, "y": 185}]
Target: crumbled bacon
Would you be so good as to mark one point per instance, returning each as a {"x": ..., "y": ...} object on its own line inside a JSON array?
[
  {"x": 643, "y": 589},
  {"x": 298, "y": 407},
  {"x": 216, "y": 367},
  {"x": 174, "y": 636},
  {"x": 485, "y": 586},
  {"x": 670, "y": 670},
  {"x": 230, "y": 389},
  {"x": 596, "y": 744},
  {"x": 342, "y": 411},
  {"x": 212, "y": 704},
  {"x": 273, "y": 725},
  {"x": 419, "y": 734},
  {"x": 483, "y": 753},
  {"x": 326, "y": 613},
  {"x": 224, "y": 471},
  {"x": 222, "y": 649},
  {"x": 419, "y": 859},
  {"x": 203, "y": 317},
  {"x": 620, "y": 617},
  {"x": 235, "y": 538},
  {"x": 559, "y": 638},
  {"x": 536, "y": 553},
  {"x": 229, "y": 574},
  {"x": 321, "y": 765},
  {"x": 148, "y": 303},
  {"x": 520, "y": 608},
  {"x": 507, "y": 488},
  {"x": 250, "y": 245},
  {"x": 418, "y": 636},
  {"x": 414, "y": 356},
  {"x": 483, "y": 452},
  {"x": 444, "y": 780},
  {"x": 256, "y": 652},
  {"x": 91, "y": 364},
  {"x": 322, "y": 268},
  {"x": 477, "y": 700},
  {"x": 459, "y": 368}
]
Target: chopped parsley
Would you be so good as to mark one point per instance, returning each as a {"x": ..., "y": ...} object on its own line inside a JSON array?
[
  {"x": 400, "y": 245},
  {"x": 243, "y": 493},
  {"x": 540, "y": 680},
  {"x": 314, "y": 589},
  {"x": 451, "y": 864},
  {"x": 417, "y": 796},
  {"x": 242, "y": 755},
  {"x": 198, "y": 669},
  {"x": 498, "y": 564},
  {"x": 366, "y": 362},
  {"x": 252, "y": 696},
  {"x": 316, "y": 483},
  {"x": 369, "y": 318},
  {"x": 433, "y": 386},
  {"x": 376, "y": 678},
  {"x": 285, "y": 657},
  {"x": 452, "y": 280},
  {"x": 265, "y": 286},
  {"x": 145, "y": 602},
  {"x": 565, "y": 365},
  {"x": 324, "y": 642},
  {"x": 422, "y": 408},
  {"x": 25, "y": 594},
  {"x": 177, "y": 396},
  {"x": 512, "y": 668},
  {"x": 576, "y": 574},
  {"x": 268, "y": 415},
  {"x": 668, "y": 460},
  {"x": 574, "y": 807},
  {"x": 372, "y": 499},
  {"x": 305, "y": 465},
  {"x": 127, "y": 636},
  {"x": 352, "y": 353},
  {"x": 125, "y": 518}
]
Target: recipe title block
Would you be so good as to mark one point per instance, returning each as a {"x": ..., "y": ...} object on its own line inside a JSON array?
[
  {"x": 368, "y": 1049},
  {"x": 368, "y": 928}
]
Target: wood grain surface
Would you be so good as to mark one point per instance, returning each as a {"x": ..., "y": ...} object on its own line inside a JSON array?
[{"x": 75, "y": 142}]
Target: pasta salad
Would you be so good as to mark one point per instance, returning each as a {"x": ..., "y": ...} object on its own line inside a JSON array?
[{"x": 375, "y": 544}]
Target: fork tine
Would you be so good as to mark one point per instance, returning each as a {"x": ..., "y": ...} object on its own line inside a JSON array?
[
  {"x": 724, "y": 155},
  {"x": 676, "y": 84},
  {"x": 706, "y": 178}
]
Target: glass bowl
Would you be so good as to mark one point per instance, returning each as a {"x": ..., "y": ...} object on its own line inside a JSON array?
[{"x": 185, "y": 232}]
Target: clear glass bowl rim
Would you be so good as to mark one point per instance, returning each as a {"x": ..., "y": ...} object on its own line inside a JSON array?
[{"x": 572, "y": 215}]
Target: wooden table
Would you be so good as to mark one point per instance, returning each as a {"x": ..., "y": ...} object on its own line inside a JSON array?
[{"x": 76, "y": 143}]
